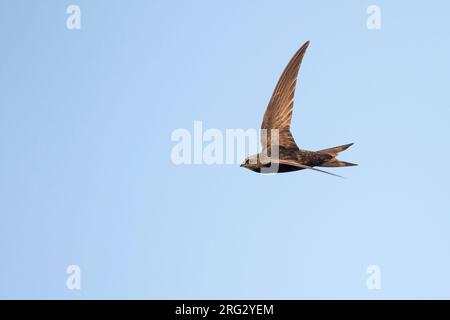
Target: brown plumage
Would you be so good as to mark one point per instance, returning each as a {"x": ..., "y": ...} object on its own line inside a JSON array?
[{"x": 284, "y": 155}]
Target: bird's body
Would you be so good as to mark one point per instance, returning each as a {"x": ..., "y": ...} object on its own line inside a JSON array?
[
  {"x": 280, "y": 152},
  {"x": 294, "y": 160}
]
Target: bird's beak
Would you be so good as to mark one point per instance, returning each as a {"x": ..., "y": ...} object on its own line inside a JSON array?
[{"x": 241, "y": 165}]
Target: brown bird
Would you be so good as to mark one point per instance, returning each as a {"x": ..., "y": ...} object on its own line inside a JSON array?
[{"x": 282, "y": 154}]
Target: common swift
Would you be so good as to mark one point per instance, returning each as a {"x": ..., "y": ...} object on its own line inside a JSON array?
[{"x": 282, "y": 154}]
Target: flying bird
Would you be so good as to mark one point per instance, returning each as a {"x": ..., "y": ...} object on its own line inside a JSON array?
[{"x": 282, "y": 154}]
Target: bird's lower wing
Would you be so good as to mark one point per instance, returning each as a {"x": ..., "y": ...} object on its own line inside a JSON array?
[{"x": 303, "y": 166}]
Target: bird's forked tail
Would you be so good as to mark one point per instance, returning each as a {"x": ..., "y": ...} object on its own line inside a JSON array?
[{"x": 333, "y": 162}]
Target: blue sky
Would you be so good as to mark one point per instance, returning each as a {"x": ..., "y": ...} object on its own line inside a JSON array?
[{"x": 86, "y": 176}]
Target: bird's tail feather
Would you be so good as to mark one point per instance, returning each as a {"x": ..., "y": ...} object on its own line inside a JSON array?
[
  {"x": 337, "y": 163},
  {"x": 334, "y": 152}
]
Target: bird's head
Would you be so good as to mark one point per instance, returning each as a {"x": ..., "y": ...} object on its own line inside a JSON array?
[{"x": 251, "y": 163}]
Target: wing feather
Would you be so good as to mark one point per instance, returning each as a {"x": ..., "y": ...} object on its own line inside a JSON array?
[{"x": 278, "y": 113}]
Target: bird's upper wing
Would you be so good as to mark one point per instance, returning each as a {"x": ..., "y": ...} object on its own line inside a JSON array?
[{"x": 278, "y": 114}]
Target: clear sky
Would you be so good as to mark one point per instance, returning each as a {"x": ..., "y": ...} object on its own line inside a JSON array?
[{"x": 86, "y": 176}]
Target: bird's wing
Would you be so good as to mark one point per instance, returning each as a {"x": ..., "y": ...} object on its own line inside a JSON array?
[
  {"x": 278, "y": 114},
  {"x": 296, "y": 164}
]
